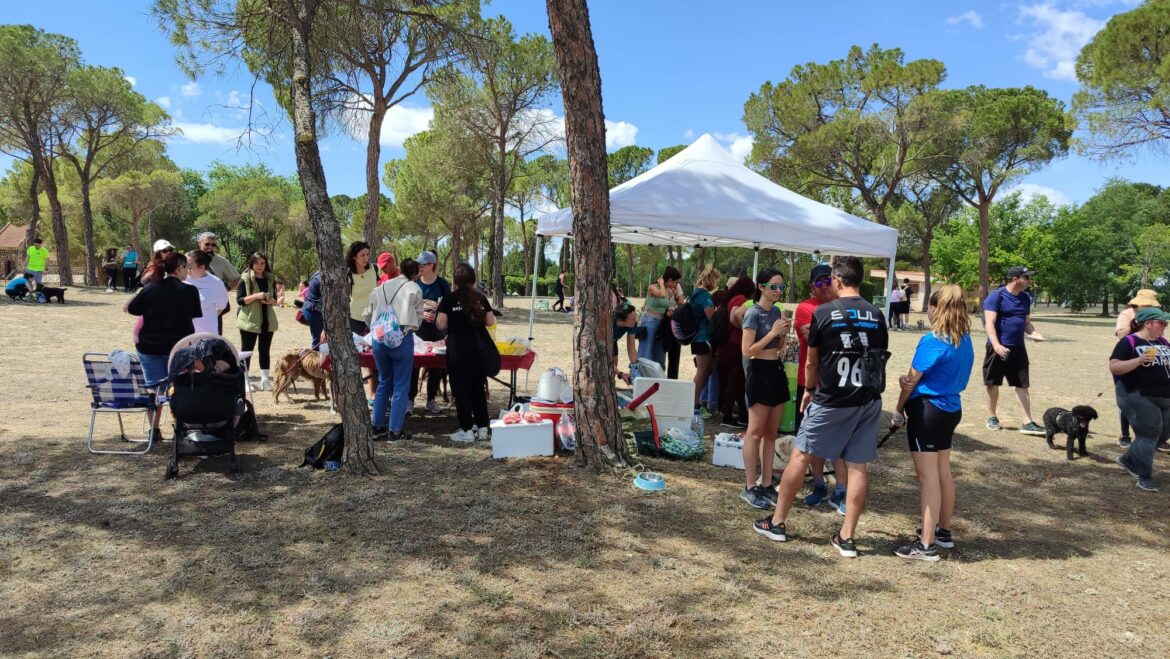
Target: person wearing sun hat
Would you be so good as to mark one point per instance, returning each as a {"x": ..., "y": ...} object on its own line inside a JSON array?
[
  {"x": 1140, "y": 364},
  {"x": 1144, "y": 298}
]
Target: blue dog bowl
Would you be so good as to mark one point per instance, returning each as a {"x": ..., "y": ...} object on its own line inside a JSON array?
[{"x": 650, "y": 480}]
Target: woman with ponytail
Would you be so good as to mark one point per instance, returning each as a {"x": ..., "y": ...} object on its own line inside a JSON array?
[
  {"x": 463, "y": 314},
  {"x": 929, "y": 406}
]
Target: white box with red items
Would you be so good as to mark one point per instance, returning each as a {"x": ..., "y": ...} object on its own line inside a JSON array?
[
  {"x": 728, "y": 451},
  {"x": 522, "y": 440}
]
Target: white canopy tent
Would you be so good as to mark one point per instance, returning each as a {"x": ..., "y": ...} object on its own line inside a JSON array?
[{"x": 703, "y": 197}]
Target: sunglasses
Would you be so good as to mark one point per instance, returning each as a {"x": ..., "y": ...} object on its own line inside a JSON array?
[
  {"x": 776, "y": 287},
  {"x": 822, "y": 282},
  {"x": 211, "y": 244},
  {"x": 167, "y": 250}
]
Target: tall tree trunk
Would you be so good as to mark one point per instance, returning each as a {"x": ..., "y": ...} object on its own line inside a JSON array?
[
  {"x": 91, "y": 262},
  {"x": 791, "y": 290},
  {"x": 373, "y": 154},
  {"x": 475, "y": 245},
  {"x": 498, "y": 226},
  {"x": 1105, "y": 302},
  {"x": 351, "y": 398},
  {"x": 34, "y": 200},
  {"x": 60, "y": 232},
  {"x": 629, "y": 270},
  {"x": 984, "y": 249},
  {"x": 927, "y": 261},
  {"x": 600, "y": 440}
]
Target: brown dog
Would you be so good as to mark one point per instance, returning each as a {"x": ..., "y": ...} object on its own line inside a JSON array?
[{"x": 294, "y": 364}]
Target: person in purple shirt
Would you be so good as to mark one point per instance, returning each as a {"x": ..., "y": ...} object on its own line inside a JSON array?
[{"x": 1007, "y": 316}]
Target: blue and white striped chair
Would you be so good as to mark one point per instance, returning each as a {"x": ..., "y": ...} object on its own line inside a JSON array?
[{"x": 120, "y": 394}]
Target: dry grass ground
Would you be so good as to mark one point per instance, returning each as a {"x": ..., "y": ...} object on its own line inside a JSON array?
[{"x": 449, "y": 552}]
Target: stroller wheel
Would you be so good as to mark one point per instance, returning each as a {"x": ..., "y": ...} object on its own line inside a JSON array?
[{"x": 172, "y": 471}]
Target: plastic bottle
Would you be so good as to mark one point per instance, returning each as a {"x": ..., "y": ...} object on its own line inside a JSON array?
[{"x": 697, "y": 426}]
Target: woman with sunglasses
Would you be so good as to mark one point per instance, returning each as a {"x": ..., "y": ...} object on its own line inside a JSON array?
[
  {"x": 1140, "y": 364},
  {"x": 765, "y": 333}
]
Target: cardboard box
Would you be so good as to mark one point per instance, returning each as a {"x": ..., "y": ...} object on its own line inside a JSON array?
[
  {"x": 728, "y": 451},
  {"x": 521, "y": 440}
]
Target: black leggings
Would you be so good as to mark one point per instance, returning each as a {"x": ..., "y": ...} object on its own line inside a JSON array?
[
  {"x": 129, "y": 279},
  {"x": 248, "y": 342},
  {"x": 559, "y": 305},
  {"x": 111, "y": 277},
  {"x": 470, "y": 397}
]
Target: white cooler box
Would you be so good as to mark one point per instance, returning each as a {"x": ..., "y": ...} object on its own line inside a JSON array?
[
  {"x": 674, "y": 398},
  {"x": 728, "y": 451},
  {"x": 521, "y": 440}
]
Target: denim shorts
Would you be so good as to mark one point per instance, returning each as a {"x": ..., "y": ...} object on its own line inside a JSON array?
[{"x": 155, "y": 367}]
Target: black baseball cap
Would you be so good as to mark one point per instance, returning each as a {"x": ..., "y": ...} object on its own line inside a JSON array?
[
  {"x": 818, "y": 271},
  {"x": 1017, "y": 271}
]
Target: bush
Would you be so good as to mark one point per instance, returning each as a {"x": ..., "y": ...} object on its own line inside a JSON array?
[{"x": 521, "y": 285}]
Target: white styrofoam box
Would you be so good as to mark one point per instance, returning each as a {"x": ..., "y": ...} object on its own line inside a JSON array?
[
  {"x": 665, "y": 422},
  {"x": 522, "y": 439},
  {"x": 673, "y": 398},
  {"x": 728, "y": 451}
]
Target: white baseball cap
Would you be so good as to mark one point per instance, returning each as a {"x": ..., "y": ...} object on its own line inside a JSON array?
[{"x": 160, "y": 245}]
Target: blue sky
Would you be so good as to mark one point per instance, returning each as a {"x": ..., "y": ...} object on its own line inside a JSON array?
[{"x": 670, "y": 70}]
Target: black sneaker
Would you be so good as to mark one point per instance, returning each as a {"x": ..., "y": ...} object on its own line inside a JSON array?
[
  {"x": 768, "y": 493},
  {"x": 1147, "y": 484},
  {"x": 731, "y": 422},
  {"x": 1124, "y": 442},
  {"x": 771, "y": 531},
  {"x": 942, "y": 537},
  {"x": 844, "y": 545},
  {"x": 753, "y": 498},
  {"x": 397, "y": 436},
  {"x": 380, "y": 433},
  {"x": 916, "y": 551},
  {"x": 1120, "y": 460},
  {"x": 1163, "y": 447}
]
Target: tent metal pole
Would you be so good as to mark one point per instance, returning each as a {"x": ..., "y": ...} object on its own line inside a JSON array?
[
  {"x": 755, "y": 261},
  {"x": 891, "y": 276},
  {"x": 532, "y": 302}
]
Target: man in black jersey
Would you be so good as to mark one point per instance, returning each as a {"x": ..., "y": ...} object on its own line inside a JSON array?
[{"x": 841, "y": 413}]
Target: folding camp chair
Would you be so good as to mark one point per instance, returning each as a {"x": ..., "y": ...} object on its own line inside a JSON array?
[{"x": 119, "y": 393}]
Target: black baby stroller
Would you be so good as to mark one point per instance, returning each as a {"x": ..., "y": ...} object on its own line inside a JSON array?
[{"x": 206, "y": 389}]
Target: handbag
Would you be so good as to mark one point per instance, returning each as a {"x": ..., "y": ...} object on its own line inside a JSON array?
[{"x": 300, "y": 317}]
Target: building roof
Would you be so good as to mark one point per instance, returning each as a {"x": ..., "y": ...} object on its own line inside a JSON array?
[{"x": 12, "y": 237}]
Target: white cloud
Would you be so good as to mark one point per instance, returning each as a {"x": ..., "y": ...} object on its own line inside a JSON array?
[
  {"x": 619, "y": 134},
  {"x": 689, "y": 135},
  {"x": 1029, "y": 191},
  {"x": 164, "y": 101},
  {"x": 1058, "y": 38},
  {"x": 968, "y": 16},
  {"x": 208, "y": 133},
  {"x": 400, "y": 123},
  {"x": 740, "y": 146},
  {"x": 132, "y": 80},
  {"x": 190, "y": 90}
]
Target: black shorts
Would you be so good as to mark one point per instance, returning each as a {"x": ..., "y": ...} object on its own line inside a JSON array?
[
  {"x": 1014, "y": 368},
  {"x": 766, "y": 383},
  {"x": 700, "y": 348},
  {"x": 929, "y": 429}
]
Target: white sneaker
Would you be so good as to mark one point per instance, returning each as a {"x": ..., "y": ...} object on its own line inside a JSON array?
[
  {"x": 462, "y": 436},
  {"x": 265, "y": 384},
  {"x": 433, "y": 407},
  {"x": 481, "y": 434}
]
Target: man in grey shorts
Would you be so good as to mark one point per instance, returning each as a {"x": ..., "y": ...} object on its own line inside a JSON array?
[{"x": 841, "y": 415}]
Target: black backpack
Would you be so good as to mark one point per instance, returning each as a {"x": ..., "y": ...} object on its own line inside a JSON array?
[
  {"x": 720, "y": 327},
  {"x": 684, "y": 322},
  {"x": 331, "y": 447},
  {"x": 248, "y": 428}
]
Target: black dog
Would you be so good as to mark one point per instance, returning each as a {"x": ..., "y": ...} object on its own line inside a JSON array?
[
  {"x": 49, "y": 292},
  {"x": 1074, "y": 424}
]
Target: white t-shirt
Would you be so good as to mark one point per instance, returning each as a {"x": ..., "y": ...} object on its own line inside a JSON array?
[
  {"x": 213, "y": 298},
  {"x": 896, "y": 295}
]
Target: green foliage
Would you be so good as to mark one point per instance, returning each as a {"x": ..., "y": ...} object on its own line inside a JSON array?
[
  {"x": 627, "y": 163},
  {"x": 668, "y": 152},
  {"x": 853, "y": 123},
  {"x": 1124, "y": 71},
  {"x": 520, "y": 285}
]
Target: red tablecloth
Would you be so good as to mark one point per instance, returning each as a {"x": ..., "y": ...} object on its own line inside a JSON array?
[{"x": 430, "y": 360}]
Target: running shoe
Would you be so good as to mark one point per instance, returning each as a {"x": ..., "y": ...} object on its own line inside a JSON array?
[
  {"x": 768, "y": 493},
  {"x": 732, "y": 422},
  {"x": 837, "y": 499},
  {"x": 820, "y": 492},
  {"x": 846, "y": 546},
  {"x": 1147, "y": 484},
  {"x": 915, "y": 551},
  {"x": 1124, "y": 441},
  {"x": 705, "y": 413},
  {"x": 380, "y": 432},
  {"x": 1120, "y": 460},
  {"x": 993, "y": 423},
  {"x": 433, "y": 407},
  {"x": 1163, "y": 447},
  {"x": 1030, "y": 428},
  {"x": 462, "y": 436},
  {"x": 397, "y": 436},
  {"x": 942, "y": 537},
  {"x": 771, "y": 531},
  {"x": 481, "y": 434},
  {"x": 754, "y": 499}
]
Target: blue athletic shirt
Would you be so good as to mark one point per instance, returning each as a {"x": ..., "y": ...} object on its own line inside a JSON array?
[
  {"x": 1012, "y": 314},
  {"x": 945, "y": 370},
  {"x": 700, "y": 300},
  {"x": 130, "y": 259}
]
